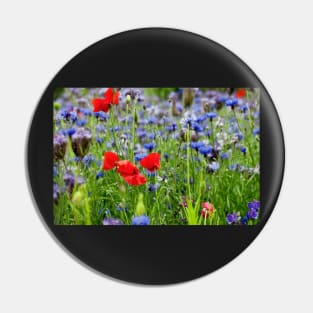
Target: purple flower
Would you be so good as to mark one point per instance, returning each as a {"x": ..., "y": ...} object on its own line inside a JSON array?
[
  {"x": 141, "y": 220},
  {"x": 81, "y": 141},
  {"x": 153, "y": 187},
  {"x": 111, "y": 221},
  {"x": 70, "y": 180},
  {"x": 232, "y": 218},
  {"x": 255, "y": 205},
  {"x": 59, "y": 146},
  {"x": 253, "y": 214},
  {"x": 55, "y": 192}
]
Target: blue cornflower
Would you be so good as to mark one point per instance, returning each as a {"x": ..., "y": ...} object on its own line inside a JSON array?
[
  {"x": 141, "y": 133},
  {"x": 243, "y": 150},
  {"x": 225, "y": 156},
  {"x": 233, "y": 167},
  {"x": 239, "y": 136},
  {"x": 140, "y": 156},
  {"x": 196, "y": 145},
  {"x": 150, "y": 174},
  {"x": 88, "y": 160},
  {"x": 81, "y": 122},
  {"x": 208, "y": 133},
  {"x": 73, "y": 116},
  {"x": 102, "y": 116},
  {"x": 232, "y": 218},
  {"x": 86, "y": 112},
  {"x": 197, "y": 127},
  {"x": 64, "y": 114},
  {"x": 71, "y": 131},
  {"x": 171, "y": 128},
  {"x": 62, "y": 131},
  {"x": 214, "y": 166},
  {"x": 151, "y": 136},
  {"x": 166, "y": 156},
  {"x": 99, "y": 174},
  {"x": 244, "y": 108},
  {"x": 205, "y": 149},
  {"x": 152, "y": 120},
  {"x": 231, "y": 103},
  {"x": 244, "y": 220},
  {"x": 114, "y": 129},
  {"x": 100, "y": 128},
  {"x": 149, "y": 146},
  {"x": 99, "y": 139},
  {"x": 256, "y": 131},
  {"x": 141, "y": 220},
  {"x": 202, "y": 118},
  {"x": 211, "y": 115},
  {"x": 111, "y": 144}
]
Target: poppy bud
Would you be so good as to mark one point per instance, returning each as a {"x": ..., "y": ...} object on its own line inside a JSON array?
[
  {"x": 128, "y": 99},
  {"x": 140, "y": 208},
  {"x": 81, "y": 141},
  {"x": 57, "y": 106},
  {"x": 59, "y": 146}
]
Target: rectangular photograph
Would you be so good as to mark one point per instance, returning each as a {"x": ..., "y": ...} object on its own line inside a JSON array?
[{"x": 156, "y": 156}]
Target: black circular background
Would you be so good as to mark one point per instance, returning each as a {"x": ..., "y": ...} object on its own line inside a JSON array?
[{"x": 154, "y": 57}]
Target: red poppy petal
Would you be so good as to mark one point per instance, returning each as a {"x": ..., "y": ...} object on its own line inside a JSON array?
[
  {"x": 109, "y": 160},
  {"x": 108, "y": 95},
  {"x": 100, "y": 105},
  {"x": 126, "y": 168},
  {"x": 240, "y": 93},
  {"x": 151, "y": 162},
  {"x": 115, "y": 98},
  {"x": 135, "y": 180}
]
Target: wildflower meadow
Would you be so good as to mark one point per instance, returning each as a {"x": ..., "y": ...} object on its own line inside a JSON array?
[{"x": 156, "y": 156}]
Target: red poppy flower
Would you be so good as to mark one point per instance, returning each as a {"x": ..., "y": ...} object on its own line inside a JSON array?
[
  {"x": 240, "y": 93},
  {"x": 103, "y": 104},
  {"x": 151, "y": 162},
  {"x": 100, "y": 104},
  {"x": 126, "y": 168},
  {"x": 135, "y": 180},
  {"x": 109, "y": 160}
]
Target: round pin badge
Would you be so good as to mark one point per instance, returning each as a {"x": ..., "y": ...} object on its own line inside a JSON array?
[{"x": 155, "y": 156}]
